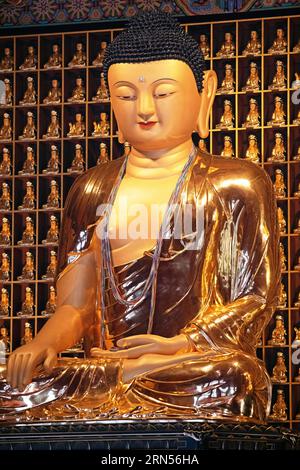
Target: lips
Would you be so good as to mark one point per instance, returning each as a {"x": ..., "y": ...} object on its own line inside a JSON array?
[{"x": 147, "y": 125}]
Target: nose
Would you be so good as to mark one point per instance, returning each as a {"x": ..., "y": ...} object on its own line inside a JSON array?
[{"x": 145, "y": 106}]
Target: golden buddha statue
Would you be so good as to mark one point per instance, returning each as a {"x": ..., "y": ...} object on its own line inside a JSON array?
[
  {"x": 30, "y": 61},
  {"x": 28, "y": 233},
  {"x": 296, "y": 48},
  {"x": 296, "y": 342},
  {"x": 279, "y": 408},
  {"x": 29, "y": 163},
  {"x": 281, "y": 221},
  {"x": 5, "y": 268},
  {"x": 53, "y": 130},
  {"x": 103, "y": 155},
  {"x": 98, "y": 61},
  {"x": 78, "y": 128},
  {"x": 79, "y": 58},
  {"x": 227, "y": 151},
  {"x": 4, "y": 339},
  {"x": 278, "y": 151},
  {"x": 227, "y": 118},
  {"x": 101, "y": 129},
  {"x": 55, "y": 59},
  {"x": 52, "y": 267},
  {"x": 296, "y": 121},
  {"x": 102, "y": 93},
  {"x": 279, "y": 79},
  {"x": 253, "y": 47},
  {"x": 54, "y": 94},
  {"x": 4, "y": 303},
  {"x": 279, "y": 184},
  {"x": 6, "y": 129},
  {"x": 204, "y": 46},
  {"x": 252, "y": 152},
  {"x": 201, "y": 145},
  {"x": 29, "y": 131},
  {"x": 78, "y": 94},
  {"x": 279, "y": 45},
  {"x": 8, "y": 97},
  {"x": 29, "y": 97},
  {"x": 297, "y": 265},
  {"x": 278, "y": 115},
  {"x": 297, "y": 192},
  {"x": 5, "y": 233},
  {"x": 253, "y": 117},
  {"x": 5, "y": 164},
  {"x": 7, "y": 61},
  {"x": 253, "y": 81},
  {"x": 27, "y": 305},
  {"x": 297, "y": 303},
  {"x": 228, "y": 83},
  {"x": 227, "y": 48},
  {"x": 279, "y": 333},
  {"x": 28, "y": 202},
  {"x": 51, "y": 303},
  {"x": 27, "y": 338},
  {"x": 146, "y": 363},
  {"x": 78, "y": 163},
  {"x": 282, "y": 297},
  {"x": 53, "y": 232},
  {"x": 53, "y": 162},
  {"x": 28, "y": 268},
  {"x": 282, "y": 257},
  {"x": 5, "y": 200},
  {"x": 53, "y": 197},
  {"x": 279, "y": 370}
]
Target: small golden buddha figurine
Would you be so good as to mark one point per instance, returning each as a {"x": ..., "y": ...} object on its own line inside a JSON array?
[
  {"x": 278, "y": 116},
  {"x": 28, "y": 268},
  {"x": 29, "y": 97},
  {"x": 253, "y": 81},
  {"x": 204, "y": 46},
  {"x": 6, "y": 129},
  {"x": 7, "y": 62},
  {"x": 5, "y": 164},
  {"x": 297, "y": 266},
  {"x": 297, "y": 157},
  {"x": 227, "y": 118},
  {"x": 296, "y": 121},
  {"x": 4, "y": 340},
  {"x": 279, "y": 370},
  {"x": 101, "y": 129},
  {"x": 99, "y": 59},
  {"x": 78, "y": 94},
  {"x": 279, "y": 408},
  {"x": 252, "y": 152},
  {"x": 228, "y": 47},
  {"x": 228, "y": 83},
  {"x": 52, "y": 266},
  {"x": 282, "y": 302},
  {"x": 29, "y": 131},
  {"x": 29, "y": 163},
  {"x": 280, "y": 44},
  {"x": 253, "y": 47},
  {"x": 53, "y": 130},
  {"x": 296, "y": 83},
  {"x": 8, "y": 97},
  {"x": 29, "y": 198},
  {"x": 279, "y": 184},
  {"x": 253, "y": 117},
  {"x": 53, "y": 162},
  {"x": 296, "y": 342},
  {"x": 30, "y": 62},
  {"x": 227, "y": 151},
  {"x": 5, "y": 200},
  {"x": 102, "y": 93},
  {"x": 279, "y": 79},
  {"x": 54, "y": 94},
  {"x": 297, "y": 303},
  {"x": 27, "y": 304},
  {"x": 278, "y": 151},
  {"x": 201, "y": 145},
  {"x": 282, "y": 257},
  {"x": 51, "y": 303},
  {"x": 5, "y": 268},
  {"x": 296, "y": 48},
  {"x": 4, "y": 303},
  {"x": 55, "y": 59},
  {"x": 279, "y": 332},
  {"x": 78, "y": 164},
  {"x": 5, "y": 233},
  {"x": 103, "y": 155},
  {"x": 297, "y": 379},
  {"x": 27, "y": 338},
  {"x": 297, "y": 193},
  {"x": 52, "y": 233},
  {"x": 77, "y": 129},
  {"x": 79, "y": 58},
  {"x": 53, "y": 197},
  {"x": 281, "y": 221},
  {"x": 28, "y": 233}
]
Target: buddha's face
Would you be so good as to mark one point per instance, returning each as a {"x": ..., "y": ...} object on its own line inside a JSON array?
[
  {"x": 253, "y": 35},
  {"x": 280, "y": 33},
  {"x": 252, "y": 143},
  {"x": 252, "y": 106},
  {"x": 30, "y": 120},
  {"x": 103, "y": 44},
  {"x": 28, "y": 225},
  {"x": 156, "y": 103},
  {"x": 227, "y": 144},
  {"x": 53, "y": 224},
  {"x": 55, "y": 48},
  {"x": 7, "y": 51},
  {"x": 279, "y": 68},
  {"x": 6, "y": 121},
  {"x": 78, "y": 81},
  {"x": 30, "y": 50},
  {"x": 54, "y": 83},
  {"x": 278, "y": 105},
  {"x": 29, "y": 156},
  {"x": 228, "y": 37},
  {"x": 253, "y": 71},
  {"x": 278, "y": 141},
  {"x": 228, "y": 72},
  {"x": 103, "y": 116},
  {"x": 3, "y": 331},
  {"x": 79, "y": 47},
  {"x": 7, "y": 86},
  {"x": 227, "y": 108},
  {"x": 202, "y": 38},
  {"x": 78, "y": 117}
]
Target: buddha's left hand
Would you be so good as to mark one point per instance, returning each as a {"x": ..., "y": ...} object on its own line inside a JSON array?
[{"x": 138, "y": 345}]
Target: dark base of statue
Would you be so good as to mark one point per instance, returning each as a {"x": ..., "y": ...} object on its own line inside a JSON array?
[{"x": 146, "y": 434}]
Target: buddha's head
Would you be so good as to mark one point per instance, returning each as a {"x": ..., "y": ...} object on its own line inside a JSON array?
[{"x": 159, "y": 91}]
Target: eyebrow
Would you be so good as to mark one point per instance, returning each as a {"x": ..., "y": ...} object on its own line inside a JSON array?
[{"x": 124, "y": 82}]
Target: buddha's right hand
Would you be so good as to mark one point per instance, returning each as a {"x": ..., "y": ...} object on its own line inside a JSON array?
[{"x": 23, "y": 362}]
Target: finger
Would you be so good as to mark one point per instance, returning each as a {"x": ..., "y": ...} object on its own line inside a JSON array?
[
  {"x": 137, "y": 340},
  {"x": 28, "y": 370},
  {"x": 26, "y": 378},
  {"x": 17, "y": 371},
  {"x": 10, "y": 368},
  {"x": 50, "y": 362},
  {"x": 127, "y": 353}
]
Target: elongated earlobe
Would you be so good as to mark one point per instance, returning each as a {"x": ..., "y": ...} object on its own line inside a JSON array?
[
  {"x": 210, "y": 83},
  {"x": 120, "y": 137}
]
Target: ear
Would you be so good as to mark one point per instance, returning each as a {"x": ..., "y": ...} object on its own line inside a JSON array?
[
  {"x": 120, "y": 137},
  {"x": 210, "y": 83}
]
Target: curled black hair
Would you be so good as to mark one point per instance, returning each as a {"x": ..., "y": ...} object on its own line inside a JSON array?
[{"x": 155, "y": 36}]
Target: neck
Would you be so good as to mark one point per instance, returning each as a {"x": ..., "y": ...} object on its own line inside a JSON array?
[{"x": 160, "y": 164}]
